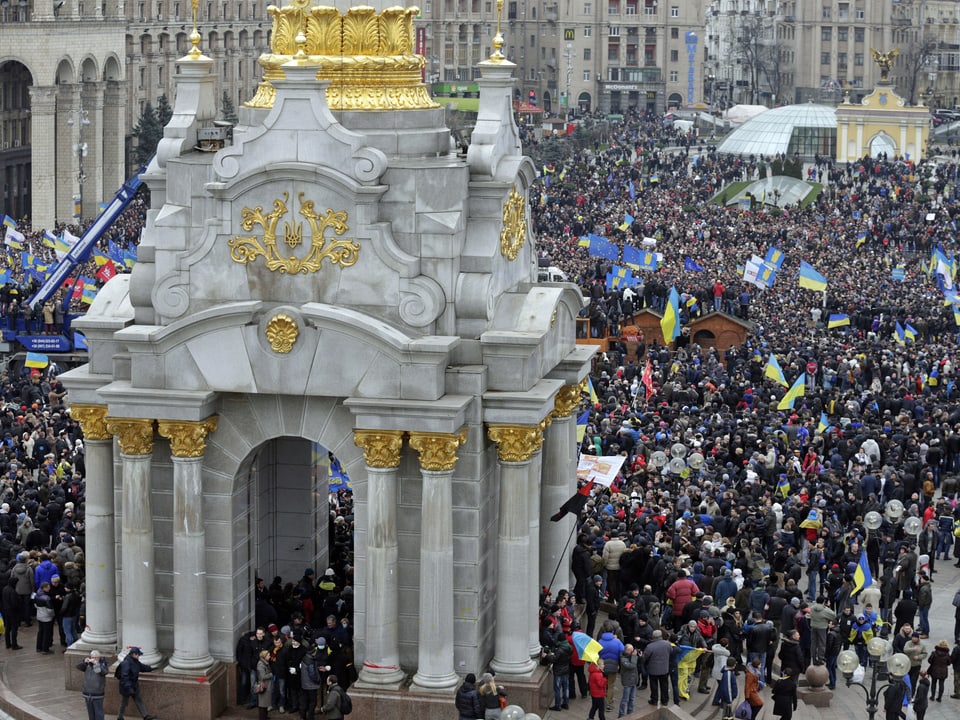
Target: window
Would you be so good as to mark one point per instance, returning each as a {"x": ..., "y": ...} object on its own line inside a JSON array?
[
  {"x": 533, "y": 74},
  {"x": 841, "y": 60},
  {"x": 588, "y": 31},
  {"x": 427, "y": 7},
  {"x": 586, "y": 76},
  {"x": 843, "y": 34},
  {"x": 859, "y": 34},
  {"x": 613, "y": 51},
  {"x": 543, "y": 53},
  {"x": 858, "y": 58},
  {"x": 826, "y": 34},
  {"x": 631, "y": 10},
  {"x": 674, "y": 33},
  {"x": 613, "y": 31},
  {"x": 825, "y": 12},
  {"x": 859, "y": 13},
  {"x": 588, "y": 8},
  {"x": 675, "y": 11},
  {"x": 613, "y": 8},
  {"x": 674, "y": 76},
  {"x": 586, "y": 53},
  {"x": 533, "y": 40},
  {"x": 674, "y": 56},
  {"x": 825, "y": 58}
]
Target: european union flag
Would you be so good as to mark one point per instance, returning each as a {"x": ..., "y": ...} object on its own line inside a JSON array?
[
  {"x": 633, "y": 192},
  {"x": 692, "y": 265},
  {"x": 603, "y": 248}
]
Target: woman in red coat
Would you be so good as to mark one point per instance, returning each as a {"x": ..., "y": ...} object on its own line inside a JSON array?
[{"x": 598, "y": 691}]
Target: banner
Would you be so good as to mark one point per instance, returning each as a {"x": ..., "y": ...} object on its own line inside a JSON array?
[{"x": 601, "y": 469}]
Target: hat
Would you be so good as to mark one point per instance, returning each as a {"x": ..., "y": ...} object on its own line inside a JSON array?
[
  {"x": 321, "y": 642},
  {"x": 136, "y": 651},
  {"x": 795, "y": 602},
  {"x": 470, "y": 678},
  {"x": 915, "y": 633},
  {"x": 597, "y": 578},
  {"x": 271, "y": 628},
  {"x": 328, "y": 572},
  {"x": 308, "y": 572}
]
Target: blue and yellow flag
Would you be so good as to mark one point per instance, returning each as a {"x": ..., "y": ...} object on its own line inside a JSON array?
[
  {"x": 797, "y": 390},
  {"x": 862, "y": 577},
  {"x": 584, "y": 242},
  {"x": 774, "y": 372},
  {"x": 774, "y": 257},
  {"x": 590, "y": 391},
  {"x": 898, "y": 334},
  {"x": 838, "y": 320},
  {"x": 582, "y": 422},
  {"x": 810, "y": 278},
  {"x": 36, "y": 360},
  {"x": 910, "y": 332},
  {"x": 692, "y": 265},
  {"x": 783, "y": 486},
  {"x": 9, "y": 222},
  {"x": 861, "y": 239},
  {"x": 899, "y": 273},
  {"x": 670, "y": 322},
  {"x": 48, "y": 239},
  {"x": 337, "y": 479},
  {"x": 824, "y": 425}
]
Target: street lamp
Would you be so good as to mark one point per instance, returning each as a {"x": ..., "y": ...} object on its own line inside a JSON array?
[
  {"x": 569, "y": 54},
  {"x": 898, "y": 665},
  {"x": 80, "y": 148}
]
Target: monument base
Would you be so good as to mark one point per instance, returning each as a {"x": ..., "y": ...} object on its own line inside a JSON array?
[
  {"x": 186, "y": 697},
  {"x": 533, "y": 693},
  {"x": 815, "y": 697}
]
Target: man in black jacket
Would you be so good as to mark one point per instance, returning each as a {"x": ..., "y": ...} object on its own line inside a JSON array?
[
  {"x": 129, "y": 674},
  {"x": 467, "y": 700}
]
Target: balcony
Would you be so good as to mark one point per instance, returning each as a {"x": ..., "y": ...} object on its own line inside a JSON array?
[{"x": 901, "y": 21}]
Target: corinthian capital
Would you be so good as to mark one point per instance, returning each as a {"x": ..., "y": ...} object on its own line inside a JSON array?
[
  {"x": 381, "y": 448},
  {"x": 566, "y": 401},
  {"x": 93, "y": 421},
  {"x": 438, "y": 451},
  {"x": 135, "y": 434},
  {"x": 516, "y": 443},
  {"x": 188, "y": 439}
]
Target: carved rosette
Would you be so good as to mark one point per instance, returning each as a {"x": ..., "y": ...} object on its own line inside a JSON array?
[
  {"x": 93, "y": 421},
  {"x": 514, "y": 232},
  {"x": 368, "y": 57},
  {"x": 381, "y": 448},
  {"x": 188, "y": 439},
  {"x": 438, "y": 451},
  {"x": 516, "y": 443},
  {"x": 282, "y": 332},
  {"x": 134, "y": 434},
  {"x": 566, "y": 401}
]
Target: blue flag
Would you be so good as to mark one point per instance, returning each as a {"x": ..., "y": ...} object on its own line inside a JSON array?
[
  {"x": 603, "y": 248},
  {"x": 692, "y": 265}
]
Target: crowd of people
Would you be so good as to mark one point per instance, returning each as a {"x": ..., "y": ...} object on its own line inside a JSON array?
[{"x": 757, "y": 556}]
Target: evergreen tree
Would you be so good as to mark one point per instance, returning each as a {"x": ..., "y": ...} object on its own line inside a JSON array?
[
  {"x": 164, "y": 111},
  {"x": 227, "y": 109},
  {"x": 148, "y": 132}
]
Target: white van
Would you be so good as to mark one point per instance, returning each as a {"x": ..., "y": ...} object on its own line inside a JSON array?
[{"x": 551, "y": 274}]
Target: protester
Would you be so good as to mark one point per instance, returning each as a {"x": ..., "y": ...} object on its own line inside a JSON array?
[{"x": 94, "y": 670}]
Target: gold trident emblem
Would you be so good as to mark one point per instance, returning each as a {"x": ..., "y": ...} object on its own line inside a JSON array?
[{"x": 343, "y": 252}]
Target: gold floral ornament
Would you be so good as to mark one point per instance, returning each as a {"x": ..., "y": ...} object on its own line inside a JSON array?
[
  {"x": 342, "y": 252},
  {"x": 282, "y": 332},
  {"x": 514, "y": 232}
]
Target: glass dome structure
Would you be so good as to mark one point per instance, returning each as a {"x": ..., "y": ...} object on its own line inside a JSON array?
[{"x": 807, "y": 129}]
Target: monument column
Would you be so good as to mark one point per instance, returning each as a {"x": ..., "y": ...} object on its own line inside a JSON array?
[
  {"x": 515, "y": 447},
  {"x": 191, "y": 645},
  {"x": 101, "y": 571},
  {"x": 533, "y": 549},
  {"x": 381, "y": 452},
  {"x": 43, "y": 156},
  {"x": 137, "y": 603},
  {"x": 438, "y": 456},
  {"x": 558, "y": 483}
]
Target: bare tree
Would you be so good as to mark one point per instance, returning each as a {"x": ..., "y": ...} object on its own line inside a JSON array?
[
  {"x": 756, "y": 50},
  {"x": 910, "y": 65}
]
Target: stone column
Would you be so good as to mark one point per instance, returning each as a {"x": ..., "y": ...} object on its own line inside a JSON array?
[
  {"x": 533, "y": 549},
  {"x": 114, "y": 96},
  {"x": 101, "y": 564},
  {"x": 137, "y": 595},
  {"x": 515, "y": 446},
  {"x": 381, "y": 663},
  {"x": 438, "y": 456},
  {"x": 558, "y": 483},
  {"x": 91, "y": 94},
  {"x": 43, "y": 107},
  {"x": 191, "y": 645}
]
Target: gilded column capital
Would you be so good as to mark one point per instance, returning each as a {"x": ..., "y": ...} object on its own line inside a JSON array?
[
  {"x": 566, "y": 401},
  {"x": 93, "y": 421},
  {"x": 381, "y": 448},
  {"x": 516, "y": 443},
  {"x": 438, "y": 451},
  {"x": 188, "y": 438},
  {"x": 135, "y": 434}
]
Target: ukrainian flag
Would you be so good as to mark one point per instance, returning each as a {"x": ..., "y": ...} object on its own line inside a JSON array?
[
  {"x": 584, "y": 242},
  {"x": 686, "y": 664},
  {"x": 861, "y": 239},
  {"x": 593, "y": 393},
  {"x": 36, "y": 360},
  {"x": 49, "y": 239},
  {"x": 910, "y": 332},
  {"x": 670, "y": 322},
  {"x": 774, "y": 372},
  {"x": 582, "y": 425},
  {"x": 838, "y": 320},
  {"x": 810, "y": 278},
  {"x": 797, "y": 390},
  {"x": 862, "y": 577},
  {"x": 899, "y": 335},
  {"x": 783, "y": 486},
  {"x": 9, "y": 222},
  {"x": 824, "y": 425}
]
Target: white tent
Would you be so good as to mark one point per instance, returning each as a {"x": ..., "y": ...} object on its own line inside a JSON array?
[{"x": 739, "y": 114}]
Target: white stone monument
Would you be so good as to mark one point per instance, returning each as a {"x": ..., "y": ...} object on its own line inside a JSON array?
[{"x": 338, "y": 275}]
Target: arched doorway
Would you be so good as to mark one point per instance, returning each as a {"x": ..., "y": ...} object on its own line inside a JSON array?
[
  {"x": 547, "y": 101},
  {"x": 882, "y": 143},
  {"x": 705, "y": 338},
  {"x": 15, "y": 139},
  {"x": 583, "y": 101},
  {"x": 674, "y": 101}
]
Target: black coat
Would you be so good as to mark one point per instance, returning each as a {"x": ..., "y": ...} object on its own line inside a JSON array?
[{"x": 785, "y": 697}]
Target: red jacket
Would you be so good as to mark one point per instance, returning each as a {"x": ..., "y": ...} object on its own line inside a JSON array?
[
  {"x": 598, "y": 682},
  {"x": 681, "y": 592}
]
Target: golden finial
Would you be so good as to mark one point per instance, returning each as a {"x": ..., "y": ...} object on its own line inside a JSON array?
[
  {"x": 195, "y": 35},
  {"x": 497, "y": 55}
]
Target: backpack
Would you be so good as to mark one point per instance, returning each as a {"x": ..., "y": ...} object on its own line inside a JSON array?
[
  {"x": 346, "y": 704},
  {"x": 310, "y": 670}
]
